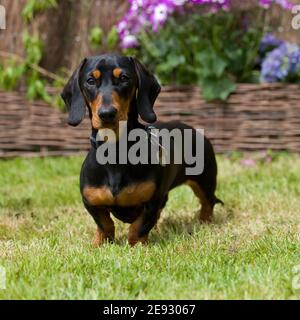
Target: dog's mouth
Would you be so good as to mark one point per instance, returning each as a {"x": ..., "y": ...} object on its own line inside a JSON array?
[
  {"x": 113, "y": 130},
  {"x": 110, "y": 132},
  {"x": 113, "y": 125},
  {"x": 98, "y": 124}
]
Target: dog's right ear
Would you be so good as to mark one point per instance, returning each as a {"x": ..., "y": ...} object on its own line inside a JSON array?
[{"x": 72, "y": 97}]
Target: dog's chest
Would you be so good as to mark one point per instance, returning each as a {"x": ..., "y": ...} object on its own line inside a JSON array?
[{"x": 133, "y": 194}]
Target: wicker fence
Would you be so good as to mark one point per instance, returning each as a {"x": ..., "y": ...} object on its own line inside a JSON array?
[{"x": 256, "y": 117}]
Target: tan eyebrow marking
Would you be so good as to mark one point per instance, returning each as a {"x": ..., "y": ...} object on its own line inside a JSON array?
[
  {"x": 117, "y": 72},
  {"x": 96, "y": 74}
]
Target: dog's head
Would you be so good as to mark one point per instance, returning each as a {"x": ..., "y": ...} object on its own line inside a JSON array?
[{"x": 112, "y": 87}]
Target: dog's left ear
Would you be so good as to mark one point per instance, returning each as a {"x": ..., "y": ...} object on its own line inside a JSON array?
[
  {"x": 73, "y": 99},
  {"x": 148, "y": 90}
]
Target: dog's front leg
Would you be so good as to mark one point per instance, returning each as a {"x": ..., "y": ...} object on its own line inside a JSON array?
[
  {"x": 105, "y": 226},
  {"x": 140, "y": 228}
]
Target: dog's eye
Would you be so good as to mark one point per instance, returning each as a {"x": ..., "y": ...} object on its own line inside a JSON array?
[
  {"x": 91, "y": 81},
  {"x": 124, "y": 77}
]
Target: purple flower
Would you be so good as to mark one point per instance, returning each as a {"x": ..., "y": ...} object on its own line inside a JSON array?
[
  {"x": 159, "y": 16},
  {"x": 129, "y": 41},
  {"x": 153, "y": 14},
  {"x": 285, "y": 4},
  {"x": 294, "y": 60},
  {"x": 269, "y": 42},
  {"x": 281, "y": 63}
]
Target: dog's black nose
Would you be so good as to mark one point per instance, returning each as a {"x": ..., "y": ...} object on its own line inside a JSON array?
[{"x": 107, "y": 114}]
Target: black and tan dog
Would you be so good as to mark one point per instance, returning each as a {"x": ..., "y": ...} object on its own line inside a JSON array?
[{"x": 116, "y": 88}]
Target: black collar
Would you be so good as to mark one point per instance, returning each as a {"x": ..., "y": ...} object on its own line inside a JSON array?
[{"x": 94, "y": 143}]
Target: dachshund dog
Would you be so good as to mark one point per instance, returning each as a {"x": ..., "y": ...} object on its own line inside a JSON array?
[{"x": 116, "y": 88}]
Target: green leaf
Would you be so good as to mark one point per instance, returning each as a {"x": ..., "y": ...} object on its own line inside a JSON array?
[
  {"x": 171, "y": 62},
  {"x": 211, "y": 63},
  {"x": 32, "y": 7},
  {"x": 112, "y": 38},
  {"x": 217, "y": 88},
  {"x": 96, "y": 36}
]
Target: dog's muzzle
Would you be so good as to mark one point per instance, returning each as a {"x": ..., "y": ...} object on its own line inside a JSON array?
[{"x": 107, "y": 114}]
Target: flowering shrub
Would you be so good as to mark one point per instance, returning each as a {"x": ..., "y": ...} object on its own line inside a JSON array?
[
  {"x": 212, "y": 43},
  {"x": 282, "y": 64},
  {"x": 153, "y": 14},
  {"x": 268, "y": 43}
]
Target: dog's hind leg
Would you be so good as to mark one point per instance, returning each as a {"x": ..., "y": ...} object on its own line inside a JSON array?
[
  {"x": 207, "y": 200},
  {"x": 105, "y": 226}
]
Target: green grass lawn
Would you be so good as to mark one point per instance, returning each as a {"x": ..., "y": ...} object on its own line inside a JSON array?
[{"x": 248, "y": 252}]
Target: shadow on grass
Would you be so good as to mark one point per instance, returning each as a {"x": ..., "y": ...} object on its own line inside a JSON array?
[{"x": 172, "y": 225}]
